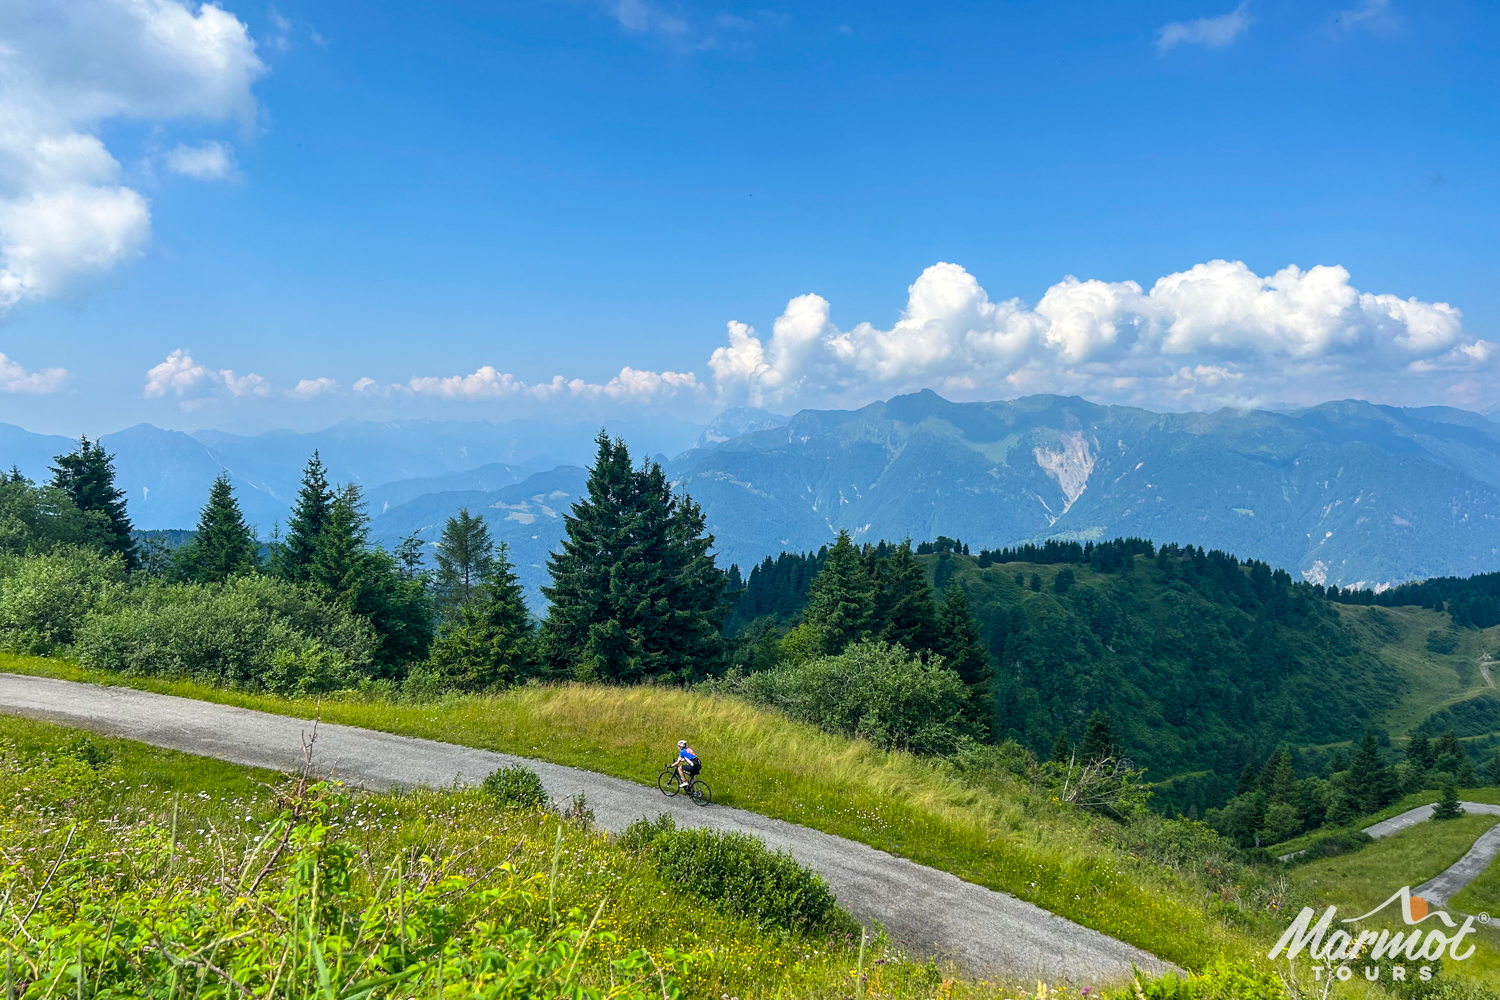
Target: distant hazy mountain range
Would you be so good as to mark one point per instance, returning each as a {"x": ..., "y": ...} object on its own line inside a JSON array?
[{"x": 1345, "y": 493}]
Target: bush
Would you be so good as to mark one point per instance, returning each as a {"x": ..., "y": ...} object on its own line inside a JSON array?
[
  {"x": 516, "y": 787},
  {"x": 44, "y": 598},
  {"x": 250, "y": 632},
  {"x": 738, "y": 873},
  {"x": 1223, "y": 980},
  {"x": 873, "y": 691},
  {"x": 1336, "y": 844}
]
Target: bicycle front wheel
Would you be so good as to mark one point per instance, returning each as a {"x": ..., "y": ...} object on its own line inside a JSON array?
[
  {"x": 701, "y": 794},
  {"x": 668, "y": 783}
]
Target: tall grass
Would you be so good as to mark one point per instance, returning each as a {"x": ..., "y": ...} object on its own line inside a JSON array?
[
  {"x": 115, "y": 886},
  {"x": 997, "y": 833}
]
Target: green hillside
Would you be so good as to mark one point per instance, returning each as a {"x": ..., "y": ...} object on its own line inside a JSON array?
[{"x": 1205, "y": 664}]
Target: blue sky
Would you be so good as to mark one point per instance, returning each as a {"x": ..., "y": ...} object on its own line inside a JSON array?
[{"x": 395, "y": 192}]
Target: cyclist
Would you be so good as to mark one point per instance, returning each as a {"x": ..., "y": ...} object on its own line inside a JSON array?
[{"x": 687, "y": 764}]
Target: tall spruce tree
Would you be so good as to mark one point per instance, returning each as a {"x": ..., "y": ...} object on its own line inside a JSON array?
[
  {"x": 1371, "y": 783},
  {"x": 964, "y": 654},
  {"x": 311, "y": 511},
  {"x": 1419, "y": 752},
  {"x": 1278, "y": 779},
  {"x": 635, "y": 592},
  {"x": 87, "y": 476},
  {"x": 465, "y": 558},
  {"x": 904, "y": 610},
  {"x": 224, "y": 545},
  {"x": 1098, "y": 740},
  {"x": 492, "y": 642},
  {"x": 339, "y": 546},
  {"x": 841, "y": 601}
]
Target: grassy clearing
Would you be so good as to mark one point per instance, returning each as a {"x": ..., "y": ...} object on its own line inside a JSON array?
[
  {"x": 159, "y": 893},
  {"x": 1004, "y": 835},
  {"x": 1481, "y": 895},
  {"x": 1359, "y": 882}
]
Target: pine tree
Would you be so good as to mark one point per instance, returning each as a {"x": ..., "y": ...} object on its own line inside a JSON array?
[
  {"x": 1098, "y": 740},
  {"x": 1279, "y": 778},
  {"x": 314, "y": 504},
  {"x": 224, "y": 545},
  {"x": 841, "y": 601},
  {"x": 1248, "y": 782},
  {"x": 1372, "y": 785},
  {"x": 904, "y": 611},
  {"x": 409, "y": 557},
  {"x": 964, "y": 654},
  {"x": 339, "y": 546},
  {"x": 635, "y": 591},
  {"x": 87, "y": 476},
  {"x": 492, "y": 642},
  {"x": 1448, "y": 807},
  {"x": 1062, "y": 750},
  {"x": 465, "y": 558},
  {"x": 1419, "y": 752}
]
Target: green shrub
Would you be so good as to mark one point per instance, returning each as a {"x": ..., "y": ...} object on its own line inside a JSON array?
[
  {"x": 1336, "y": 844},
  {"x": 1223, "y": 980},
  {"x": 516, "y": 787},
  {"x": 738, "y": 873},
  {"x": 873, "y": 691},
  {"x": 250, "y": 632},
  {"x": 44, "y": 598}
]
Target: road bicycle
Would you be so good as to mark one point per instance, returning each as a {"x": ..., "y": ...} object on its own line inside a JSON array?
[{"x": 671, "y": 785}]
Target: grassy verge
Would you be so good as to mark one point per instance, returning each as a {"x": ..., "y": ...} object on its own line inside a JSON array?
[
  {"x": 159, "y": 883},
  {"x": 1359, "y": 882},
  {"x": 1481, "y": 895},
  {"x": 1005, "y": 836}
]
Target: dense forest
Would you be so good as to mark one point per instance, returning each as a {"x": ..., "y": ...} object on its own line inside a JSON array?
[{"x": 1206, "y": 664}]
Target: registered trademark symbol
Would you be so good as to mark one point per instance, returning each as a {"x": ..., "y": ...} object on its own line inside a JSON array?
[{"x": 1484, "y": 918}]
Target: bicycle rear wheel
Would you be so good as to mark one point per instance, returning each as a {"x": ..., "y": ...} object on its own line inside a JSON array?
[
  {"x": 701, "y": 793},
  {"x": 668, "y": 783}
]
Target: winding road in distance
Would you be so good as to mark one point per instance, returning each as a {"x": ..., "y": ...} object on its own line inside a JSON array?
[{"x": 987, "y": 934}]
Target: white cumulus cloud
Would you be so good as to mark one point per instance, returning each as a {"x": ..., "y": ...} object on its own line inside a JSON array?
[
  {"x": 195, "y": 384},
  {"x": 1212, "y": 32},
  {"x": 312, "y": 388},
  {"x": 15, "y": 378},
  {"x": 630, "y": 386},
  {"x": 208, "y": 161},
  {"x": 68, "y": 66},
  {"x": 1215, "y": 334}
]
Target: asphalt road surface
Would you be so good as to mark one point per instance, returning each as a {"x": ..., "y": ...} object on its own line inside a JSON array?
[
  {"x": 987, "y": 934},
  {"x": 1438, "y": 890}
]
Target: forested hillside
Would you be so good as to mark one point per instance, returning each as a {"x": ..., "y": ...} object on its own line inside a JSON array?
[{"x": 1203, "y": 663}]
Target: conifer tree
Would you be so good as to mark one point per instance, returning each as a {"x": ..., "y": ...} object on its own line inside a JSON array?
[
  {"x": 314, "y": 504},
  {"x": 634, "y": 591},
  {"x": 904, "y": 610},
  {"x": 1492, "y": 769},
  {"x": 1419, "y": 752},
  {"x": 1098, "y": 740},
  {"x": 339, "y": 545},
  {"x": 1062, "y": 750},
  {"x": 1371, "y": 783},
  {"x": 1248, "y": 782},
  {"x": 964, "y": 654},
  {"x": 1279, "y": 778},
  {"x": 841, "y": 601},
  {"x": 492, "y": 641},
  {"x": 1448, "y": 807},
  {"x": 224, "y": 545},
  {"x": 465, "y": 558},
  {"x": 87, "y": 476}
]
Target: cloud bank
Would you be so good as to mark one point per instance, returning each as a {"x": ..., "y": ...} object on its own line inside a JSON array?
[
  {"x": 1217, "y": 334},
  {"x": 66, "y": 67}
]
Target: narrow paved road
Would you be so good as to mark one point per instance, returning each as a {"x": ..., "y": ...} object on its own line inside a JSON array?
[
  {"x": 988, "y": 934},
  {"x": 1450, "y": 883}
]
